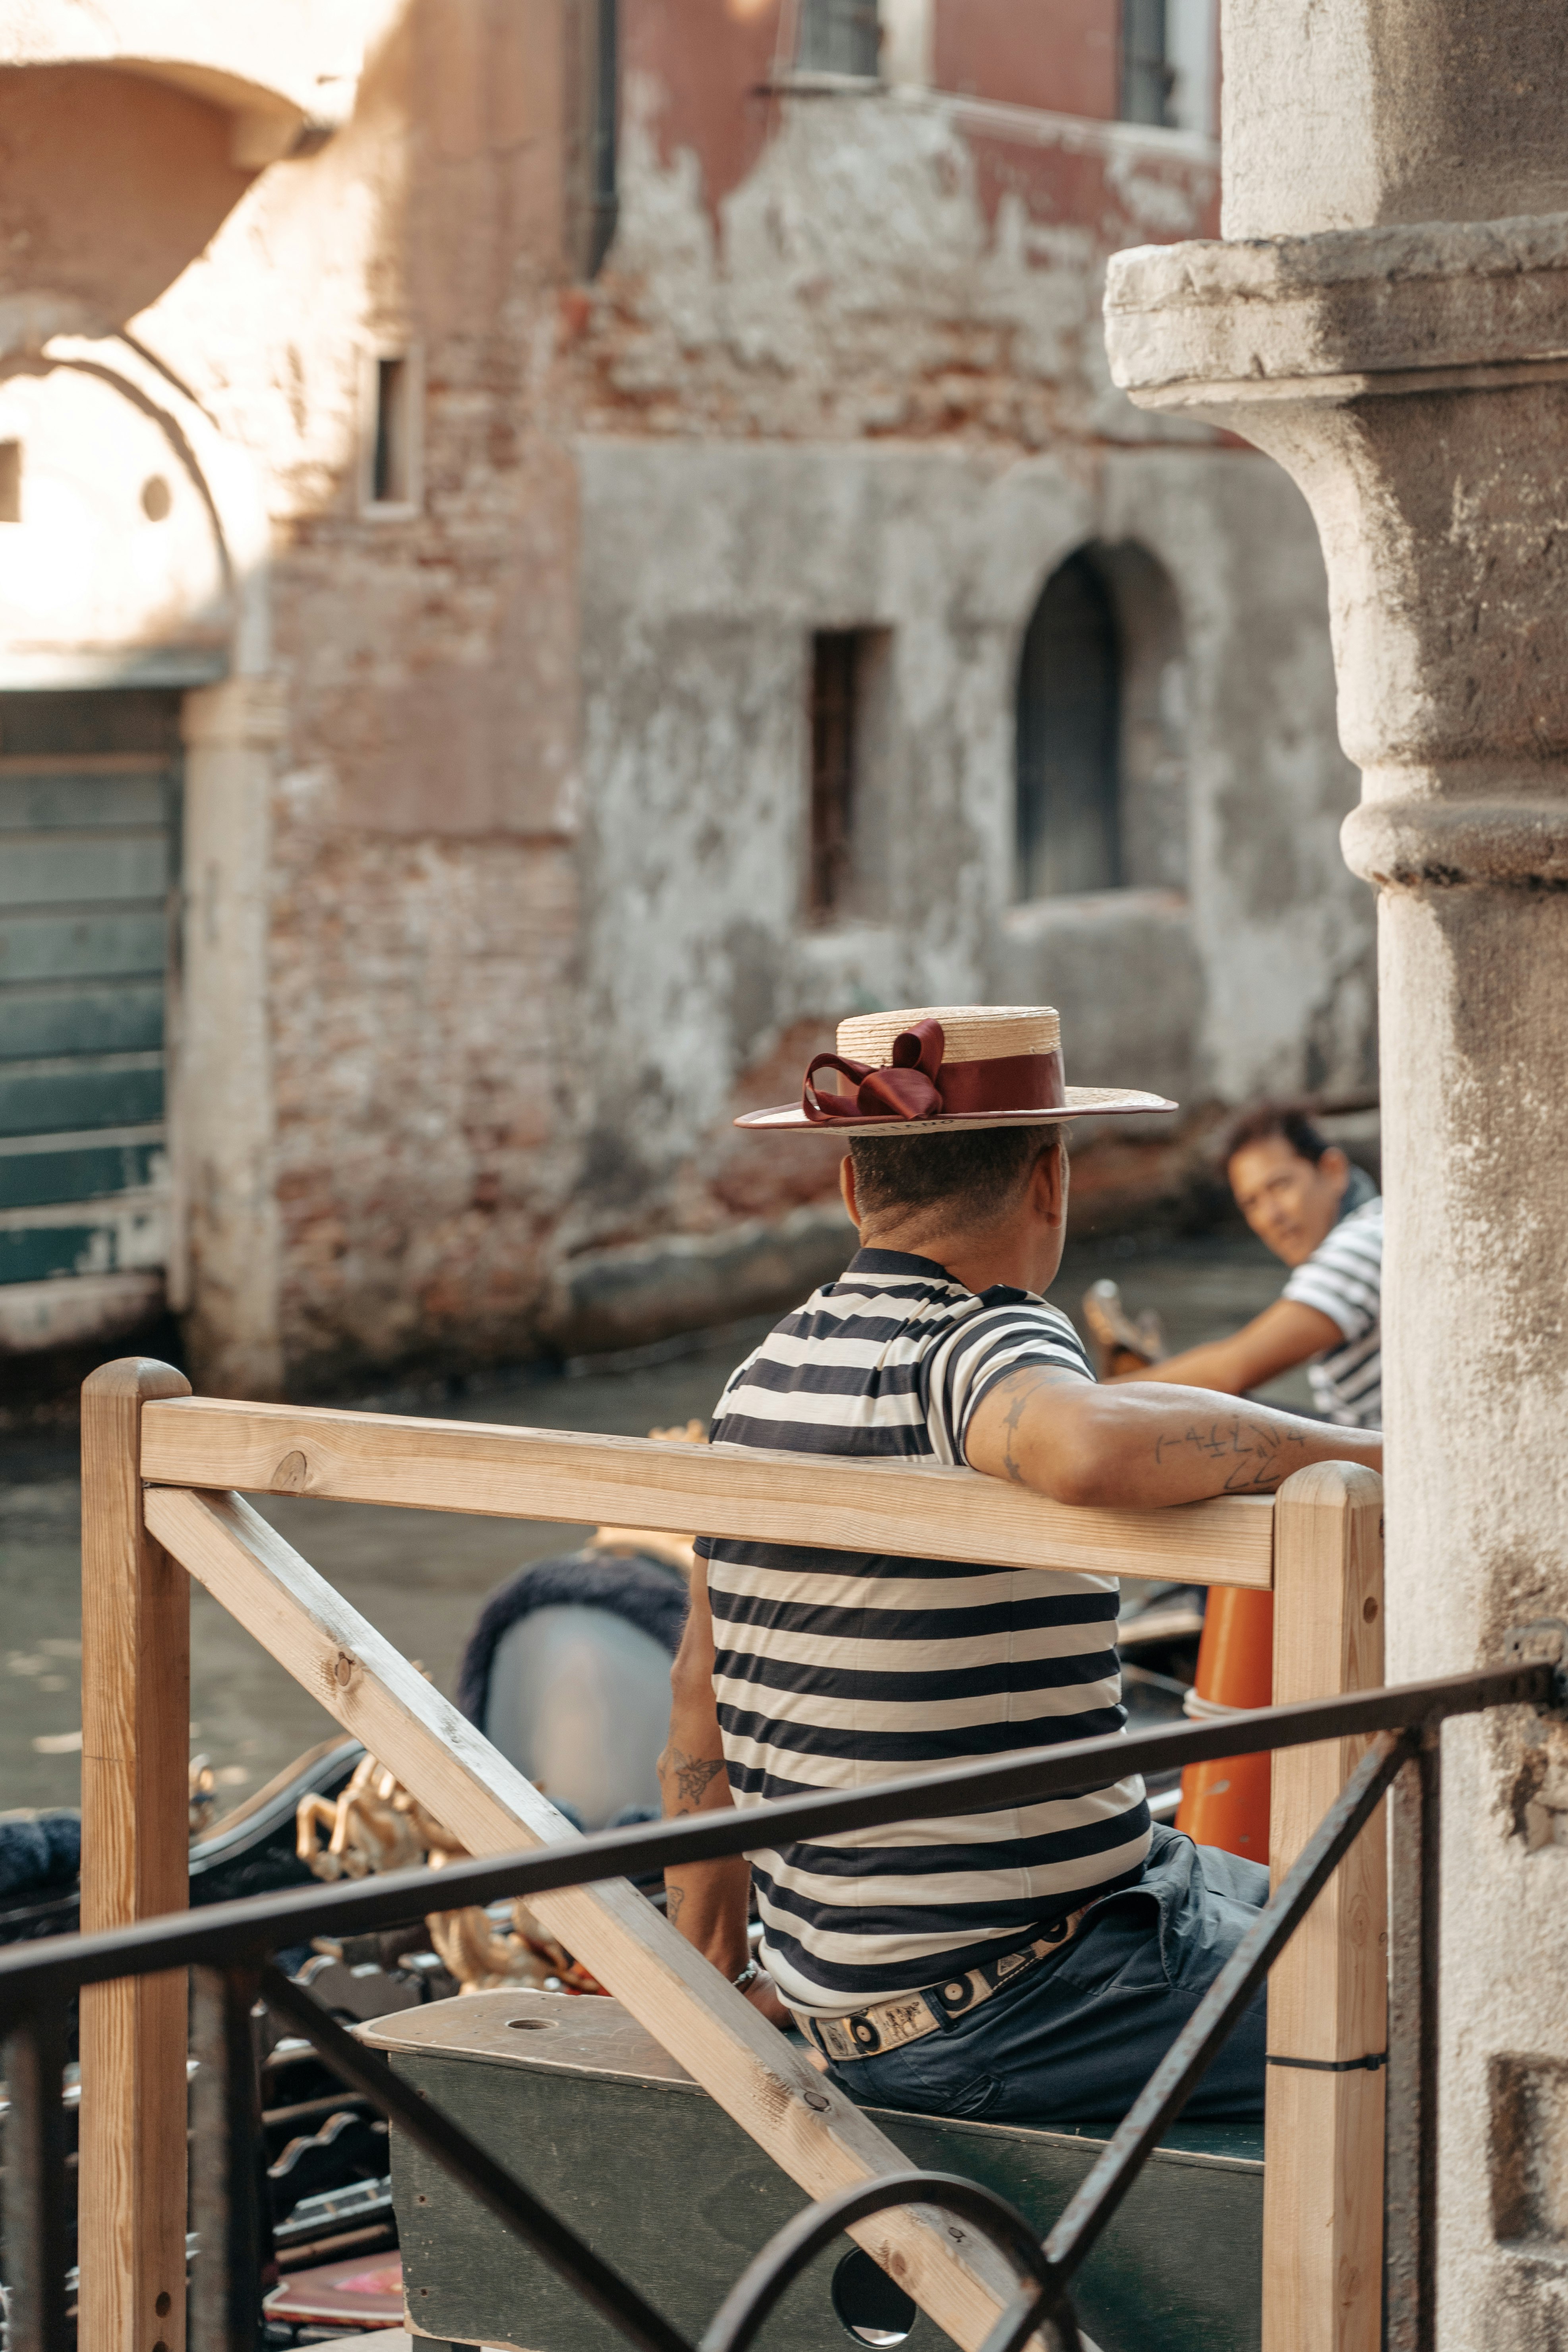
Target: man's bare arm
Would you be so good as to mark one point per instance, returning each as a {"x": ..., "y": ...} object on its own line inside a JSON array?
[
  {"x": 1284, "y": 1335},
  {"x": 707, "y": 1900},
  {"x": 1143, "y": 1446}
]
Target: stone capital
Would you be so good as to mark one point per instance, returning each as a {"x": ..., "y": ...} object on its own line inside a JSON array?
[
  {"x": 1347, "y": 312},
  {"x": 1414, "y": 381}
]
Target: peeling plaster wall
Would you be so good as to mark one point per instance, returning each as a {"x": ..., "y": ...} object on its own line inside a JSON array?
[
  {"x": 863, "y": 386},
  {"x": 895, "y": 264},
  {"x": 706, "y": 567}
]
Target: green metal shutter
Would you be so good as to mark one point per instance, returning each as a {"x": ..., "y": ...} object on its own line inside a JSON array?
[{"x": 88, "y": 858}]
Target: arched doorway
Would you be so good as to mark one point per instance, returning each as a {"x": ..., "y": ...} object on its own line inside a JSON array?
[{"x": 1100, "y": 772}]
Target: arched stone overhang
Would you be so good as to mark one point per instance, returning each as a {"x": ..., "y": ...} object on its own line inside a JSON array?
[{"x": 285, "y": 74}]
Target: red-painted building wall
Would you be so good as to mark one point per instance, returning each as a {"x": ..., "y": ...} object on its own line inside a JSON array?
[
  {"x": 1062, "y": 56},
  {"x": 722, "y": 81}
]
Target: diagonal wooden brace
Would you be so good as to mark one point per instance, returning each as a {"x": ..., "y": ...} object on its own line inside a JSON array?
[{"x": 806, "y": 2126}]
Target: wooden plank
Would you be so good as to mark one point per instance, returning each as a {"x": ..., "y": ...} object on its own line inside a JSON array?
[
  {"x": 75, "y": 868},
  {"x": 135, "y": 1745},
  {"x": 81, "y": 1017},
  {"x": 76, "y": 1092},
  {"x": 36, "y": 796},
  {"x": 42, "y": 944},
  {"x": 80, "y": 1167},
  {"x": 818, "y": 2137},
  {"x": 922, "y": 1512},
  {"x": 1322, "y": 2263}
]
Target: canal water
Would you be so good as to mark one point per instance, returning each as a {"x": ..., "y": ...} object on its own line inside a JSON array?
[{"x": 420, "y": 1576}]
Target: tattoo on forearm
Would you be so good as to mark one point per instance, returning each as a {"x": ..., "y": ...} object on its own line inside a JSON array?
[
  {"x": 1255, "y": 1454},
  {"x": 1010, "y": 1462},
  {"x": 673, "y": 1899},
  {"x": 692, "y": 1775}
]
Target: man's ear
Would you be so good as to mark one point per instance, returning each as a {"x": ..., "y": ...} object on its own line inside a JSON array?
[
  {"x": 846, "y": 1187},
  {"x": 1048, "y": 1184},
  {"x": 1336, "y": 1166}
]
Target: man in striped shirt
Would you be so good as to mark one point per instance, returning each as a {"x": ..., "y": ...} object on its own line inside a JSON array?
[
  {"x": 1028, "y": 1963},
  {"x": 1324, "y": 1219}
]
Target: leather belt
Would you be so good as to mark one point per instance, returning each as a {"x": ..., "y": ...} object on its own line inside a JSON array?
[{"x": 887, "y": 2024}]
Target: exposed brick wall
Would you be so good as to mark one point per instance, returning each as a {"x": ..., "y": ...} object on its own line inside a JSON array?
[{"x": 420, "y": 1155}]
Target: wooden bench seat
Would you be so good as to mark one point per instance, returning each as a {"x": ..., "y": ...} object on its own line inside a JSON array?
[{"x": 582, "y": 2104}]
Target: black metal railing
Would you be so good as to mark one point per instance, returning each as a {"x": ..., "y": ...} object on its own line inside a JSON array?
[{"x": 230, "y": 1945}]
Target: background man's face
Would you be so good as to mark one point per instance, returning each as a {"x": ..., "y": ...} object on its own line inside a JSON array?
[{"x": 1289, "y": 1204}]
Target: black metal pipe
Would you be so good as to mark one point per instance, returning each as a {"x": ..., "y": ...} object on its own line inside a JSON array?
[
  {"x": 1173, "y": 2081},
  {"x": 225, "y": 2188},
  {"x": 37, "y": 2254},
  {"x": 223, "y": 1933},
  {"x": 475, "y": 2171},
  {"x": 1410, "y": 2212},
  {"x": 604, "y": 203}
]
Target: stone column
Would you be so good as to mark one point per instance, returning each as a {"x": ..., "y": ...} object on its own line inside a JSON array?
[
  {"x": 225, "y": 1278},
  {"x": 1388, "y": 316}
]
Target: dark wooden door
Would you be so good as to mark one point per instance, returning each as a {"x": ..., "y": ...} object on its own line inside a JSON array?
[{"x": 88, "y": 827}]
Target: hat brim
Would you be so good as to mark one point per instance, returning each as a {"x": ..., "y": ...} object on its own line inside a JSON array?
[{"x": 1082, "y": 1102}]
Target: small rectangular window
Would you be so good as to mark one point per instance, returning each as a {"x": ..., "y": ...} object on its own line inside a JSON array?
[
  {"x": 839, "y": 36},
  {"x": 10, "y": 481},
  {"x": 389, "y": 474},
  {"x": 1146, "y": 75},
  {"x": 391, "y": 401},
  {"x": 849, "y": 673}
]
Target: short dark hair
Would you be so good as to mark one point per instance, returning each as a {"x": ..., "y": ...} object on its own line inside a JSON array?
[
  {"x": 1290, "y": 1121},
  {"x": 976, "y": 1174}
]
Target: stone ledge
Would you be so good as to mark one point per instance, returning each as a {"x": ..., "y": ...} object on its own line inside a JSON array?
[
  {"x": 1345, "y": 303},
  {"x": 611, "y": 1299}
]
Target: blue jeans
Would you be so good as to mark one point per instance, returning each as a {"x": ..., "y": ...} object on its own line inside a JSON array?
[{"x": 1075, "y": 2039}]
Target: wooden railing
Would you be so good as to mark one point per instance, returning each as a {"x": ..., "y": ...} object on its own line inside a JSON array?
[{"x": 163, "y": 1473}]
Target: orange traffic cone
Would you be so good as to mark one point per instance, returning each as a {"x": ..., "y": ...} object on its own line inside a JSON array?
[{"x": 1226, "y": 1803}]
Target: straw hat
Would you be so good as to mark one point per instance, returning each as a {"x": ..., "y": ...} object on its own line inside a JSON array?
[{"x": 947, "y": 1066}]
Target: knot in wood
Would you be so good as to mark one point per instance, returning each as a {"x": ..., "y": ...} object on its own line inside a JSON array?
[
  {"x": 817, "y": 2099},
  {"x": 292, "y": 1474},
  {"x": 344, "y": 1667}
]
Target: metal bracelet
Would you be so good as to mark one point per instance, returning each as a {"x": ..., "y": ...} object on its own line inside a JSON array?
[{"x": 747, "y": 1978}]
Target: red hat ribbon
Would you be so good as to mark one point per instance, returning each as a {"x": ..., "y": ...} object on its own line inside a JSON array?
[{"x": 906, "y": 1089}]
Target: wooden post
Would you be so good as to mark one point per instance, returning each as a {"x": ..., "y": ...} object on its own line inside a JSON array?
[
  {"x": 1328, "y": 1995},
  {"x": 135, "y": 1698}
]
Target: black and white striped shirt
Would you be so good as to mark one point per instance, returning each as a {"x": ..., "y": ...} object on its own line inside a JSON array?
[
  {"x": 1343, "y": 1280},
  {"x": 837, "y": 1670}
]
